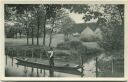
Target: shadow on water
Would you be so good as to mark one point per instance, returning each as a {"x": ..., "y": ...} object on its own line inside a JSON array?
[{"x": 14, "y": 70}]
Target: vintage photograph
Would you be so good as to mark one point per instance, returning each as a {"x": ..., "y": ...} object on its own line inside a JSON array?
[{"x": 64, "y": 40}]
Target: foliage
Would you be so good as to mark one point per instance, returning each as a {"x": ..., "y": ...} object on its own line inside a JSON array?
[
  {"x": 77, "y": 8},
  {"x": 110, "y": 19},
  {"x": 67, "y": 23},
  {"x": 113, "y": 38},
  {"x": 111, "y": 22},
  {"x": 91, "y": 39},
  {"x": 63, "y": 45},
  {"x": 69, "y": 45}
]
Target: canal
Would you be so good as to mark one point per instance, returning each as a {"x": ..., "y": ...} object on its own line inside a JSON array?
[{"x": 14, "y": 70}]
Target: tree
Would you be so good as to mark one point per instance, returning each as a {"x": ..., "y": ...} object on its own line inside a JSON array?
[
  {"x": 114, "y": 35},
  {"x": 21, "y": 14},
  {"x": 56, "y": 23},
  {"x": 39, "y": 16},
  {"x": 67, "y": 23},
  {"x": 42, "y": 13},
  {"x": 50, "y": 13},
  {"x": 111, "y": 22},
  {"x": 9, "y": 16}
]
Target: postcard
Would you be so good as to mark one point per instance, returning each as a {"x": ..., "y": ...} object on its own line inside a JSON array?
[{"x": 61, "y": 40}]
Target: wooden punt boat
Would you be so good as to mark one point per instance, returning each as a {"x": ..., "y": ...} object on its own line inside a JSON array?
[{"x": 46, "y": 66}]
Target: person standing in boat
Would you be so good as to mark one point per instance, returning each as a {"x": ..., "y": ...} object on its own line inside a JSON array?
[{"x": 51, "y": 62}]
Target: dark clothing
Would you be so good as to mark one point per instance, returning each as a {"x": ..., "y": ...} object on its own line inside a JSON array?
[{"x": 51, "y": 62}]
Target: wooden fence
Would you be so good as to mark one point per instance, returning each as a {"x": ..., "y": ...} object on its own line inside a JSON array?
[{"x": 112, "y": 68}]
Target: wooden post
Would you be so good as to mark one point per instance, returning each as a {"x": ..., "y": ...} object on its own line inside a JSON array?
[
  {"x": 112, "y": 66},
  {"x": 25, "y": 53},
  {"x": 96, "y": 67},
  {"x": 32, "y": 52},
  {"x": 17, "y": 56},
  {"x": 40, "y": 70},
  {"x": 82, "y": 67},
  {"x": 25, "y": 69},
  {"x": 32, "y": 71},
  {"x": 6, "y": 59},
  {"x": 6, "y": 53},
  {"x": 12, "y": 57},
  {"x": 16, "y": 53},
  {"x": 37, "y": 73},
  {"x": 40, "y": 54},
  {"x": 44, "y": 72}
]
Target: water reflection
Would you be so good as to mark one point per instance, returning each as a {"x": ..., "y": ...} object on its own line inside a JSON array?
[{"x": 14, "y": 70}]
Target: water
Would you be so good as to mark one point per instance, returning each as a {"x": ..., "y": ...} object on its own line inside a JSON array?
[{"x": 13, "y": 70}]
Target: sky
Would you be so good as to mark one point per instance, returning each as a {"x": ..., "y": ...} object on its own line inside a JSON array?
[
  {"x": 75, "y": 16},
  {"x": 78, "y": 18}
]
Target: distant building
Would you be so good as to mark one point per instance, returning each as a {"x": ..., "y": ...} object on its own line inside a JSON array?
[
  {"x": 88, "y": 35},
  {"x": 88, "y": 32}
]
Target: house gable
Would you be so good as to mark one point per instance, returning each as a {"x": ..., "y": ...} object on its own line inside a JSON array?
[{"x": 78, "y": 28}]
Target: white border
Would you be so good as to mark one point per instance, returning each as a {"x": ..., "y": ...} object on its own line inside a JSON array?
[
  {"x": 2, "y": 63},
  {"x": 65, "y": 1}
]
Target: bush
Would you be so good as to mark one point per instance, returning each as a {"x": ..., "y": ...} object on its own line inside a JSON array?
[
  {"x": 113, "y": 38},
  {"x": 63, "y": 46},
  {"x": 91, "y": 39},
  {"x": 69, "y": 45},
  {"x": 93, "y": 51},
  {"x": 78, "y": 46},
  {"x": 75, "y": 44}
]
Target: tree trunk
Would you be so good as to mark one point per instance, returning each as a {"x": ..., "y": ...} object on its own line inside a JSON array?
[
  {"x": 121, "y": 15},
  {"x": 27, "y": 40},
  {"x": 27, "y": 33},
  {"x": 38, "y": 36},
  {"x": 13, "y": 34},
  {"x": 66, "y": 37},
  {"x": 16, "y": 33},
  {"x": 32, "y": 37},
  {"x": 37, "y": 40},
  {"x": 20, "y": 34},
  {"x": 44, "y": 29},
  {"x": 38, "y": 25},
  {"x": 50, "y": 39}
]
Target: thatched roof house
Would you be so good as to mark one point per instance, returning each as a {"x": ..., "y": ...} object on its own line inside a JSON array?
[
  {"x": 89, "y": 32},
  {"x": 78, "y": 28},
  {"x": 88, "y": 35}
]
